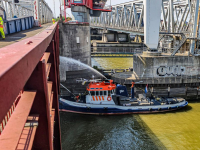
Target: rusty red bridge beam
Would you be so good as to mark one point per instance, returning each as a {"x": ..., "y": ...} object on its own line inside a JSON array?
[{"x": 31, "y": 66}]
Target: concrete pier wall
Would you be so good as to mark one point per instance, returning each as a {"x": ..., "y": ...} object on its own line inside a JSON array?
[
  {"x": 166, "y": 66},
  {"x": 179, "y": 70},
  {"x": 75, "y": 42}
]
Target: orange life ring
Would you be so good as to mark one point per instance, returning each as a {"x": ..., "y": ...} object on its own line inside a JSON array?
[{"x": 109, "y": 98}]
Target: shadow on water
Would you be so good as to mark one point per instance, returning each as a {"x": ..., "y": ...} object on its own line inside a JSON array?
[
  {"x": 193, "y": 100},
  {"x": 187, "y": 108},
  {"x": 88, "y": 132},
  {"x": 123, "y": 132}
]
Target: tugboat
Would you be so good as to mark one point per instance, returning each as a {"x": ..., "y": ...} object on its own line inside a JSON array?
[{"x": 105, "y": 98}]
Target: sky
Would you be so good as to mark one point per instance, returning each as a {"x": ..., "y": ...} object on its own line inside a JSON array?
[{"x": 57, "y": 5}]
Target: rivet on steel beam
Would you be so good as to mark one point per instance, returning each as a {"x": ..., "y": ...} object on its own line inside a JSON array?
[{"x": 29, "y": 42}]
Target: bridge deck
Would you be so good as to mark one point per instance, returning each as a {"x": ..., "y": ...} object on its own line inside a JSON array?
[{"x": 16, "y": 37}]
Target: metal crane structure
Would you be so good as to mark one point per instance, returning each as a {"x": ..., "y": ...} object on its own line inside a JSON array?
[
  {"x": 83, "y": 9},
  {"x": 143, "y": 17},
  {"x": 94, "y": 5},
  {"x": 18, "y": 9}
]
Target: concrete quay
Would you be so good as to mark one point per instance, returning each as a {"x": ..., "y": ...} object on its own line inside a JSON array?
[{"x": 162, "y": 69}]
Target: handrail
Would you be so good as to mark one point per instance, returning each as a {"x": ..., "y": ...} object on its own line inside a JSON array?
[
  {"x": 17, "y": 62},
  {"x": 23, "y": 67}
]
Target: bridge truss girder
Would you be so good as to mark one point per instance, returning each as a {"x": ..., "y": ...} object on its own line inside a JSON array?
[
  {"x": 15, "y": 9},
  {"x": 177, "y": 16},
  {"x": 37, "y": 8}
]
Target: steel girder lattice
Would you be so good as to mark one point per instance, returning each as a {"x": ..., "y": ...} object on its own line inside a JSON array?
[
  {"x": 129, "y": 16},
  {"x": 37, "y": 8},
  {"x": 177, "y": 16}
]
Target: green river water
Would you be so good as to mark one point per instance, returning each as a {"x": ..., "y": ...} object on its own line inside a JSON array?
[
  {"x": 174, "y": 130},
  {"x": 113, "y": 62}
]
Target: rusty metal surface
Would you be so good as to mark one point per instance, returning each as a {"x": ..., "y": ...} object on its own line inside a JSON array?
[
  {"x": 32, "y": 65},
  {"x": 12, "y": 132},
  {"x": 37, "y": 82},
  {"x": 28, "y": 133},
  {"x": 27, "y": 137},
  {"x": 42, "y": 105},
  {"x": 54, "y": 76},
  {"x": 47, "y": 92},
  {"x": 17, "y": 62}
]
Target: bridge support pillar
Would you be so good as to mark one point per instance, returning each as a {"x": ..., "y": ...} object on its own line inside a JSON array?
[
  {"x": 195, "y": 12},
  {"x": 81, "y": 14},
  {"x": 75, "y": 43},
  {"x": 152, "y": 21}
]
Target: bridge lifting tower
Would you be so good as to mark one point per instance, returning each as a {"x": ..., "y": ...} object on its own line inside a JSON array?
[
  {"x": 79, "y": 30},
  {"x": 75, "y": 35},
  {"x": 83, "y": 9}
]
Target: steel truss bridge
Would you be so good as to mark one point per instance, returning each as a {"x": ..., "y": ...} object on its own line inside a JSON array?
[
  {"x": 37, "y": 8},
  {"x": 143, "y": 17}
]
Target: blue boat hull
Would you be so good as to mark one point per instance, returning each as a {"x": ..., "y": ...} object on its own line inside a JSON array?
[{"x": 115, "y": 110}]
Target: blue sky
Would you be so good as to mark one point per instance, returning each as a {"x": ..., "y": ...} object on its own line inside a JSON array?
[{"x": 57, "y": 5}]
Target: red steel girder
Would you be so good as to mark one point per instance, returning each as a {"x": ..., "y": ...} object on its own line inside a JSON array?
[
  {"x": 14, "y": 127},
  {"x": 17, "y": 62}
]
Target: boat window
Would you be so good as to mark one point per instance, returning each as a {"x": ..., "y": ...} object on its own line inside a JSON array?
[
  {"x": 101, "y": 92},
  {"x": 109, "y": 92},
  {"x": 97, "y": 93},
  {"x": 92, "y": 93},
  {"x": 105, "y": 92}
]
